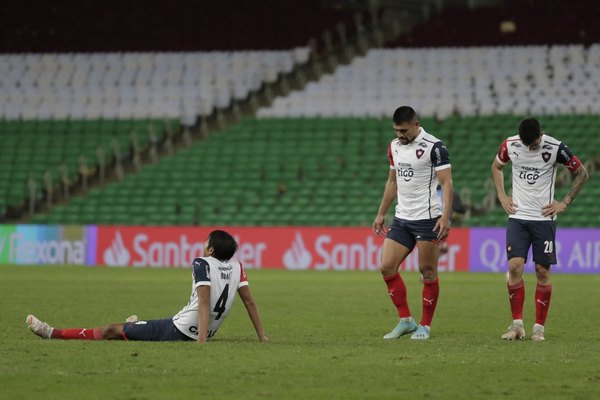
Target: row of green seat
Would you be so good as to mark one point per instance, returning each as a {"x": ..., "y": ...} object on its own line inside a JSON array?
[
  {"x": 32, "y": 148},
  {"x": 321, "y": 171}
]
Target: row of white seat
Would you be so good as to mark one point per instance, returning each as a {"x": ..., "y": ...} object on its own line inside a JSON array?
[
  {"x": 135, "y": 85},
  {"x": 447, "y": 81}
]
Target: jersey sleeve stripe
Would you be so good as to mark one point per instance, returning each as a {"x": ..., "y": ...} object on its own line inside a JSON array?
[{"x": 441, "y": 167}]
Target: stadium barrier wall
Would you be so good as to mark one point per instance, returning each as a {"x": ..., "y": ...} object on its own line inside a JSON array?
[{"x": 292, "y": 248}]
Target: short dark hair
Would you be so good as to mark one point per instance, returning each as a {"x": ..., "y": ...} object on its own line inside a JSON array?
[
  {"x": 404, "y": 114},
  {"x": 529, "y": 131},
  {"x": 223, "y": 244}
]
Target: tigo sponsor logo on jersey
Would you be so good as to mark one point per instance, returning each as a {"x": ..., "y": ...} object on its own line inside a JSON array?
[{"x": 530, "y": 175}]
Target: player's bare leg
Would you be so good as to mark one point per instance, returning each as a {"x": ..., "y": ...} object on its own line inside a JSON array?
[
  {"x": 428, "y": 261},
  {"x": 392, "y": 255},
  {"x": 543, "y": 293},
  {"x": 516, "y": 297}
]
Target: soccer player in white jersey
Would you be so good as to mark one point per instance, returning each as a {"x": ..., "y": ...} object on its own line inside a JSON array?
[
  {"x": 418, "y": 162},
  {"x": 216, "y": 278},
  {"x": 532, "y": 212}
]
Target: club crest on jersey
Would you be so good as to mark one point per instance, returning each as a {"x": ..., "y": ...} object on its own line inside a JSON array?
[
  {"x": 546, "y": 156},
  {"x": 420, "y": 153}
]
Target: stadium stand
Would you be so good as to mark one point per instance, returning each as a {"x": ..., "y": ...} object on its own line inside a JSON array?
[
  {"x": 441, "y": 82},
  {"x": 508, "y": 23},
  {"x": 84, "y": 102},
  {"x": 312, "y": 171},
  {"x": 312, "y": 157}
]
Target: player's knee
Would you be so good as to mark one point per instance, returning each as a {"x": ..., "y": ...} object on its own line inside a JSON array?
[
  {"x": 428, "y": 273},
  {"x": 111, "y": 331},
  {"x": 388, "y": 269},
  {"x": 515, "y": 269},
  {"x": 542, "y": 273}
]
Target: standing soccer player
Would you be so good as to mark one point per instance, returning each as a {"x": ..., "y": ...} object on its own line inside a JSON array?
[
  {"x": 216, "y": 278},
  {"x": 418, "y": 162},
  {"x": 532, "y": 212}
]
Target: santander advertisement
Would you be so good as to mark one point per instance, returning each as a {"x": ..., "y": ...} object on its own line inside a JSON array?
[{"x": 293, "y": 248}]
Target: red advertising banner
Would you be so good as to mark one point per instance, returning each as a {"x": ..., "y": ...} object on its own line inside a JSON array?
[{"x": 293, "y": 248}]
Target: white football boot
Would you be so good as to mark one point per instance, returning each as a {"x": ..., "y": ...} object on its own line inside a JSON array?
[
  {"x": 38, "y": 327},
  {"x": 515, "y": 331},
  {"x": 538, "y": 333}
]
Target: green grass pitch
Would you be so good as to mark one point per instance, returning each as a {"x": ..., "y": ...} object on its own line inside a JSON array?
[{"x": 326, "y": 333}]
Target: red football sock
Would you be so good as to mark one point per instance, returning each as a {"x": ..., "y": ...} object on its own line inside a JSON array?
[
  {"x": 516, "y": 296},
  {"x": 542, "y": 302},
  {"x": 431, "y": 291},
  {"x": 78, "y": 334},
  {"x": 397, "y": 292}
]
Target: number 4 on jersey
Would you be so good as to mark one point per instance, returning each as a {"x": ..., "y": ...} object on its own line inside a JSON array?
[{"x": 220, "y": 306}]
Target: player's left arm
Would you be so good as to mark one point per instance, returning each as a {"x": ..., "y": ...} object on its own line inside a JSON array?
[
  {"x": 440, "y": 159},
  {"x": 246, "y": 296},
  {"x": 443, "y": 224},
  {"x": 580, "y": 175}
]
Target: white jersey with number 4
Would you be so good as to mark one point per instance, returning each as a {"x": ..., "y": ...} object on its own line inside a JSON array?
[
  {"x": 415, "y": 165},
  {"x": 224, "y": 279},
  {"x": 534, "y": 173}
]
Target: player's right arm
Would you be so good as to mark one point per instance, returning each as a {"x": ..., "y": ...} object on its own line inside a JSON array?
[
  {"x": 500, "y": 161},
  {"x": 246, "y": 296},
  {"x": 389, "y": 194}
]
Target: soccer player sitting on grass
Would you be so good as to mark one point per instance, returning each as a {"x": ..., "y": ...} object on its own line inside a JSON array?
[{"x": 216, "y": 278}]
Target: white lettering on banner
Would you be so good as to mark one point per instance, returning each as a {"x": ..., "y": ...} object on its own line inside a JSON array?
[
  {"x": 45, "y": 251},
  {"x": 411, "y": 262},
  {"x": 165, "y": 254},
  {"x": 447, "y": 262},
  {"x": 585, "y": 255},
  {"x": 2, "y": 243},
  {"x": 557, "y": 248},
  {"x": 250, "y": 254},
  {"x": 297, "y": 256},
  {"x": 117, "y": 254},
  {"x": 493, "y": 247},
  {"x": 343, "y": 257}
]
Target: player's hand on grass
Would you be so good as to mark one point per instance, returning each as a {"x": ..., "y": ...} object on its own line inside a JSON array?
[
  {"x": 508, "y": 205},
  {"x": 552, "y": 210},
  {"x": 378, "y": 226}
]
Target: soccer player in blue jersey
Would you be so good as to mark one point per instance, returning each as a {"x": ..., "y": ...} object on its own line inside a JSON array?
[
  {"x": 216, "y": 277},
  {"x": 418, "y": 162},
  {"x": 532, "y": 212}
]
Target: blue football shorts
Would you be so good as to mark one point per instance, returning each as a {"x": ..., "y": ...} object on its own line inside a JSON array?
[
  {"x": 407, "y": 232},
  {"x": 539, "y": 235},
  {"x": 158, "y": 330}
]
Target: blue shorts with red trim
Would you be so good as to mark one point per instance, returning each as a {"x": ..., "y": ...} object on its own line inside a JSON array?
[
  {"x": 408, "y": 232},
  {"x": 539, "y": 235},
  {"x": 156, "y": 330}
]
